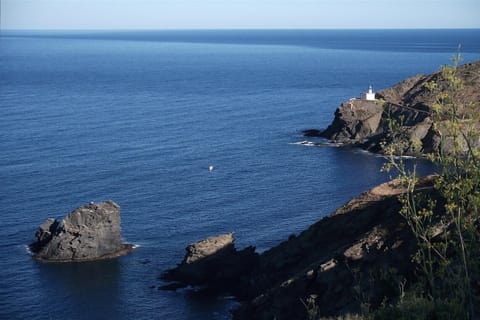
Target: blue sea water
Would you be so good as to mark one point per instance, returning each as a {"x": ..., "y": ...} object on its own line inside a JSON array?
[{"x": 139, "y": 116}]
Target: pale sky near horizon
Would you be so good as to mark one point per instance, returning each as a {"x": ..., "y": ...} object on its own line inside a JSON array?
[{"x": 238, "y": 14}]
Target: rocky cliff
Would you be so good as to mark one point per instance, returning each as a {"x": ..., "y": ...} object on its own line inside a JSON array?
[
  {"x": 348, "y": 258},
  {"x": 90, "y": 232},
  {"x": 214, "y": 262},
  {"x": 361, "y": 253},
  {"x": 365, "y": 124}
]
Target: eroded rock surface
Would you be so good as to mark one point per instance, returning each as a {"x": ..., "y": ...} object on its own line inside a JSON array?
[
  {"x": 343, "y": 260},
  {"x": 214, "y": 262},
  {"x": 356, "y": 253},
  {"x": 88, "y": 233},
  {"x": 354, "y": 121},
  {"x": 217, "y": 245},
  {"x": 366, "y": 124}
]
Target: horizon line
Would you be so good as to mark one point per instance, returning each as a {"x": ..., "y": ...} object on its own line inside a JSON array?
[{"x": 242, "y": 29}]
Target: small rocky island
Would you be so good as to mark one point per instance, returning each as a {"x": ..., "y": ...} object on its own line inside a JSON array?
[{"x": 90, "y": 232}]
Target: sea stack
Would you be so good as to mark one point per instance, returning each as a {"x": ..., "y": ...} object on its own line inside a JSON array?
[{"x": 90, "y": 232}]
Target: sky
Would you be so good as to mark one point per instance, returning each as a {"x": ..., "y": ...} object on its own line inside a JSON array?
[{"x": 238, "y": 14}]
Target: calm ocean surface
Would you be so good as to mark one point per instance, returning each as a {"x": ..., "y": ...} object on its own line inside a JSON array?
[{"x": 138, "y": 117}]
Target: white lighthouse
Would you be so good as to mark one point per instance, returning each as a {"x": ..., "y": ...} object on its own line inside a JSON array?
[{"x": 370, "y": 95}]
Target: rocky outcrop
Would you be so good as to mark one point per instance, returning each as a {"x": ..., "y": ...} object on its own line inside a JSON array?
[
  {"x": 351, "y": 257},
  {"x": 366, "y": 124},
  {"x": 356, "y": 255},
  {"x": 90, "y": 232},
  {"x": 215, "y": 263},
  {"x": 361, "y": 253},
  {"x": 354, "y": 121}
]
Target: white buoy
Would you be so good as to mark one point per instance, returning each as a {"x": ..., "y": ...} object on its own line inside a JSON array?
[{"x": 210, "y": 168}]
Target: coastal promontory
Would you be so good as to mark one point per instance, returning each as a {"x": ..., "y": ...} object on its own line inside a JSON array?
[
  {"x": 410, "y": 106},
  {"x": 90, "y": 232},
  {"x": 365, "y": 255},
  {"x": 338, "y": 262}
]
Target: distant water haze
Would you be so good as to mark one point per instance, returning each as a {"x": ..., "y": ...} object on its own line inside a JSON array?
[
  {"x": 238, "y": 14},
  {"x": 139, "y": 118}
]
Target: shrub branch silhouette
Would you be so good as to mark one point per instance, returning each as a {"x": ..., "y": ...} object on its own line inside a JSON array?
[{"x": 448, "y": 232}]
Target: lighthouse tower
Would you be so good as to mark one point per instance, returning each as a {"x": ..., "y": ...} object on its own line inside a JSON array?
[{"x": 370, "y": 95}]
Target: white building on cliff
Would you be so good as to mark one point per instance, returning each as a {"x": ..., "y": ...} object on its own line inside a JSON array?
[{"x": 370, "y": 95}]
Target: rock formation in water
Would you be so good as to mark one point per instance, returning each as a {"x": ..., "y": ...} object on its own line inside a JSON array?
[
  {"x": 90, "y": 232},
  {"x": 365, "y": 124},
  {"x": 213, "y": 262}
]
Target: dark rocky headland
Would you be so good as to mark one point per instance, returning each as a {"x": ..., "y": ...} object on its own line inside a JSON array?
[
  {"x": 362, "y": 253},
  {"x": 333, "y": 259},
  {"x": 365, "y": 124},
  {"x": 90, "y": 232}
]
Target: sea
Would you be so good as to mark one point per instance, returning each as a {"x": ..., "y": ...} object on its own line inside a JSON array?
[{"x": 139, "y": 116}]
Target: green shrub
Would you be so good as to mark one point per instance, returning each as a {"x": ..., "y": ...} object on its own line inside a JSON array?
[{"x": 448, "y": 233}]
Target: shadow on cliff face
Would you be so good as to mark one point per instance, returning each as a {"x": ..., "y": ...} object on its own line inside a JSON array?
[
  {"x": 358, "y": 255},
  {"x": 366, "y": 123},
  {"x": 347, "y": 259},
  {"x": 213, "y": 266}
]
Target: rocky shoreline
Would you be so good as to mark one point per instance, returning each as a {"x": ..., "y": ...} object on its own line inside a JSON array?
[
  {"x": 353, "y": 256},
  {"x": 127, "y": 248},
  {"x": 339, "y": 263},
  {"x": 215, "y": 263},
  {"x": 335, "y": 257},
  {"x": 365, "y": 124}
]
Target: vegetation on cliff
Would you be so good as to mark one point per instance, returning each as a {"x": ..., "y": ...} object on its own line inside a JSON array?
[
  {"x": 407, "y": 249},
  {"x": 413, "y": 106},
  {"x": 447, "y": 230}
]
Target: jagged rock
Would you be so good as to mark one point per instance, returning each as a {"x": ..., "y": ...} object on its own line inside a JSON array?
[
  {"x": 337, "y": 259},
  {"x": 213, "y": 262},
  {"x": 340, "y": 257},
  {"x": 88, "y": 233},
  {"x": 46, "y": 230},
  {"x": 217, "y": 245},
  {"x": 365, "y": 123},
  {"x": 354, "y": 121}
]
